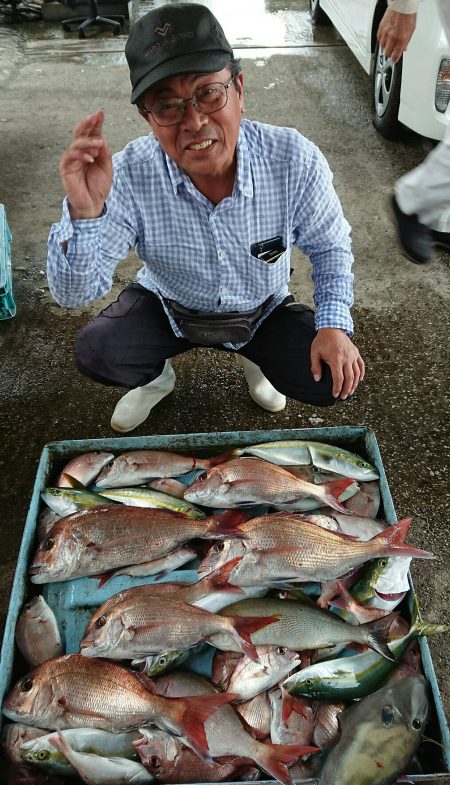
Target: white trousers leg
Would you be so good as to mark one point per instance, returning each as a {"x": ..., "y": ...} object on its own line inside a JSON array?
[{"x": 425, "y": 190}]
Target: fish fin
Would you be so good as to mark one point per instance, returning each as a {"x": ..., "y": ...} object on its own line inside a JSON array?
[
  {"x": 333, "y": 490},
  {"x": 73, "y": 482},
  {"x": 224, "y": 525},
  {"x": 243, "y": 626},
  {"x": 275, "y": 758},
  {"x": 148, "y": 683},
  {"x": 195, "y": 710},
  {"x": 289, "y": 704},
  {"x": 208, "y": 463},
  {"x": 393, "y": 538},
  {"x": 220, "y": 577},
  {"x": 102, "y": 579},
  {"x": 378, "y": 634}
]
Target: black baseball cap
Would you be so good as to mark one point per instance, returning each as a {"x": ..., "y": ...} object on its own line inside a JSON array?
[{"x": 176, "y": 38}]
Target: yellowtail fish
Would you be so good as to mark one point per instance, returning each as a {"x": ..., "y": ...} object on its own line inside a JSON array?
[
  {"x": 327, "y": 457},
  {"x": 65, "y": 501},
  {"x": 245, "y": 481},
  {"x": 148, "y": 497},
  {"x": 75, "y": 692}
]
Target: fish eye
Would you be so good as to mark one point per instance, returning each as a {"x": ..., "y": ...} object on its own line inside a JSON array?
[
  {"x": 26, "y": 685},
  {"x": 281, "y": 650},
  {"x": 217, "y": 548},
  {"x": 101, "y": 621},
  {"x": 416, "y": 723},
  {"x": 309, "y": 682},
  {"x": 155, "y": 762},
  {"x": 48, "y": 544},
  {"x": 163, "y": 660},
  {"x": 387, "y": 716},
  {"x": 43, "y": 755},
  {"x": 383, "y": 562}
]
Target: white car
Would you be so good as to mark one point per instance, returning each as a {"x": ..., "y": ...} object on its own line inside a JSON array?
[{"x": 416, "y": 91}]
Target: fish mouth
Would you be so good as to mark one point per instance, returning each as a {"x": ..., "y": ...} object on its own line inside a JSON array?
[{"x": 389, "y": 597}]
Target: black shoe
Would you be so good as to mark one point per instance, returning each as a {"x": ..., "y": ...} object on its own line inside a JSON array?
[
  {"x": 415, "y": 238},
  {"x": 441, "y": 239}
]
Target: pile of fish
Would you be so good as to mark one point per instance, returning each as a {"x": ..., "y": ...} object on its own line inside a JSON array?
[{"x": 283, "y": 655}]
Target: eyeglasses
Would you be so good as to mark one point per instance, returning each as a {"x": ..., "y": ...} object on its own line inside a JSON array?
[{"x": 207, "y": 99}]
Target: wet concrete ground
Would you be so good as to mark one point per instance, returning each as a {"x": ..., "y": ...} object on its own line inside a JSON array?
[{"x": 310, "y": 81}]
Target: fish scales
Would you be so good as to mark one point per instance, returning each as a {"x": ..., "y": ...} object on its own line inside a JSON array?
[
  {"x": 107, "y": 537},
  {"x": 311, "y": 553}
]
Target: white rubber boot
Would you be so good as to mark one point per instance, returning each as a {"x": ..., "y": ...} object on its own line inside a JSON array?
[
  {"x": 137, "y": 404},
  {"x": 260, "y": 389}
]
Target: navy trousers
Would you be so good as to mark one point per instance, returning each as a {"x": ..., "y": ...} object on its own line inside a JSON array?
[{"x": 128, "y": 343}]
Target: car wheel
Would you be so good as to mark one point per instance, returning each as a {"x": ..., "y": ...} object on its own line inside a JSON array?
[
  {"x": 318, "y": 16},
  {"x": 386, "y": 84}
]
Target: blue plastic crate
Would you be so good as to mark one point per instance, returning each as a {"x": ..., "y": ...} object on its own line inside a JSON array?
[
  {"x": 73, "y": 601},
  {"x": 7, "y": 304}
]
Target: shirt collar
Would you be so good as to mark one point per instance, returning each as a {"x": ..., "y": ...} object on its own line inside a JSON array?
[{"x": 244, "y": 181}]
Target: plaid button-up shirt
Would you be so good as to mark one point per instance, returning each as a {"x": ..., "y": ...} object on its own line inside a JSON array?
[{"x": 199, "y": 254}]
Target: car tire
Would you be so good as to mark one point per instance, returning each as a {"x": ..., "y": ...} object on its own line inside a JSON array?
[
  {"x": 386, "y": 85},
  {"x": 317, "y": 14}
]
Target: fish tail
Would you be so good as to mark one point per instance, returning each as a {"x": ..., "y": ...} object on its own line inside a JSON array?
[
  {"x": 393, "y": 542},
  {"x": 208, "y": 463},
  {"x": 195, "y": 710},
  {"x": 275, "y": 758},
  {"x": 377, "y": 633},
  {"x": 225, "y": 524},
  {"x": 333, "y": 490},
  {"x": 242, "y": 626},
  {"x": 423, "y": 628}
]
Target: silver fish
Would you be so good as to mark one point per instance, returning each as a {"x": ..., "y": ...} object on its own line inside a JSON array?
[
  {"x": 97, "y": 770},
  {"x": 302, "y": 625},
  {"x": 37, "y": 634},
  {"x": 379, "y": 736},
  {"x": 139, "y": 466},
  {"x": 42, "y": 752},
  {"x": 159, "y": 567},
  {"x": 298, "y": 727},
  {"x": 249, "y": 678}
]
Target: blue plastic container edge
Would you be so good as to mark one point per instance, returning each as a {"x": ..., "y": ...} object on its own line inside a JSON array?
[{"x": 19, "y": 586}]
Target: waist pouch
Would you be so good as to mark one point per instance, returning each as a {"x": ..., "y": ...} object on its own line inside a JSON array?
[{"x": 211, "y": 329}]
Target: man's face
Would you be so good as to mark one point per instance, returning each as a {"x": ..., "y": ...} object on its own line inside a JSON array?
[{"x": 185, "y": 142}]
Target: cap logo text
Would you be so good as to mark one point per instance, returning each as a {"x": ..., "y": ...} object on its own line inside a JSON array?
[{"x": 163, "y": 30}]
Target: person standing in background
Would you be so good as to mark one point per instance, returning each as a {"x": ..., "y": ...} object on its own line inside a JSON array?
[{"x": 421, "y": 198}]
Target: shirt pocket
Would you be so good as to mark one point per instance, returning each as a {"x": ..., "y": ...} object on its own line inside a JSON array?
[{"x": 264, "y": 278}]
